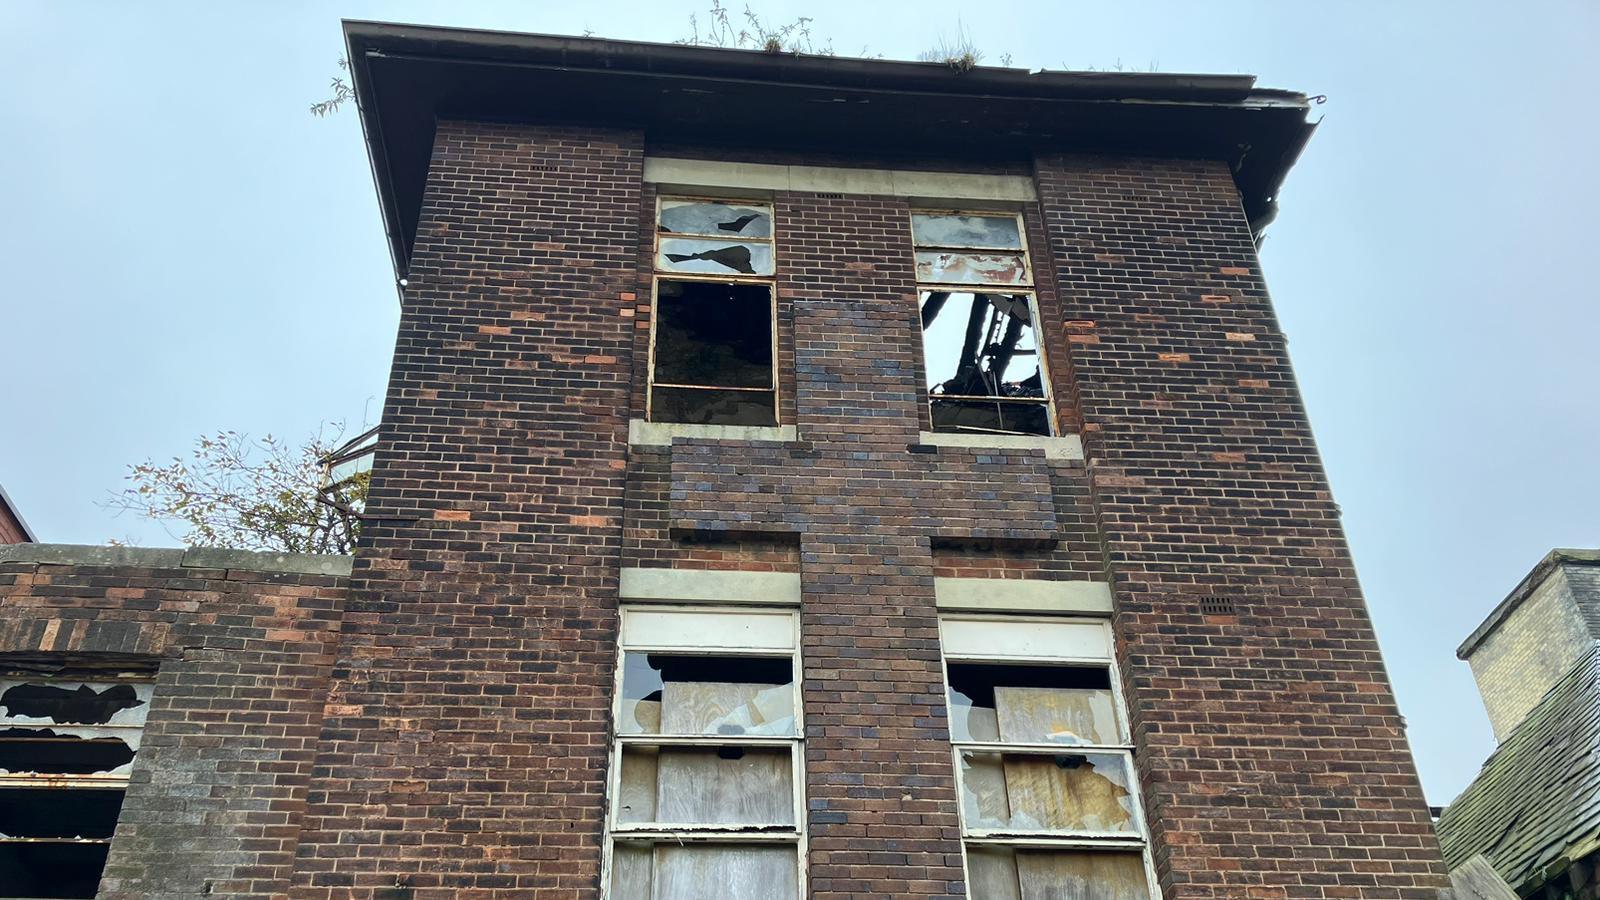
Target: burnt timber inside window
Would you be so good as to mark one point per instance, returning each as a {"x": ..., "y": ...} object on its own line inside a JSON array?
[
  {"x": 713, "y": 335},
  {"x": 979, "y": 330},
  {"x": 66, "y": 749}
]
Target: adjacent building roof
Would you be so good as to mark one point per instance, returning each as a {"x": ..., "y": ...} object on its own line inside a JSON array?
[
  {"x": 406, "y": 77},
  {"x": 1535, "y": 806},
  {"x": 1521, "y": 592},
  {"x": 12, "y": 527}
]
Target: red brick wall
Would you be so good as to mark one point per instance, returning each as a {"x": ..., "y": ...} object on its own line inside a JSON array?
[
  {"x": 465, "y": 744},
  {"x": 244, "y": 657},
  {"x": 10, "y": 526},
  {"x": 1274, "y": 760}
]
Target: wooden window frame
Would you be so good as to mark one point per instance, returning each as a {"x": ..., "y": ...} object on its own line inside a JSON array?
[
  {"x": 1065, "y": 840},
  {"x": 701, "y": 833},
  {"x": 770, "y": 282},
  {"x": 1025, "y": 288}
]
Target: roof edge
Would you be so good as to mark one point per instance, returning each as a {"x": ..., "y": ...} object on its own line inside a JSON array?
[
  {"x": 16, "y": 514},
  {"x": 267, "y": 561},
  {"x": 1524, "y": 588}
]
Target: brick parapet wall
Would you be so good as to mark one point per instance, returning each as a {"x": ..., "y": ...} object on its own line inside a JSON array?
[
  {"x": 1273, "y": 757},
  {"x": 242, "y": 659}
]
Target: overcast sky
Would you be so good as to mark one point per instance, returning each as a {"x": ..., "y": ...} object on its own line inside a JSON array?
[{"x": 185, "y": 249}]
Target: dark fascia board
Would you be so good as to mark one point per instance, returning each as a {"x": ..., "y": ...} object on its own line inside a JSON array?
[
  {"x": 407, "y": 77},
  {"x": 1529, "y": 583}
]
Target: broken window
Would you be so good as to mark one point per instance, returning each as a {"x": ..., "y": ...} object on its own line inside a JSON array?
[
  {"x": 66, "y": 749},
  {"x": 713, "y": 339},
  {"x": 1044, "y": 765},
  {"x": 980, "y": 345},
  {"x": 707, "y": 768}
]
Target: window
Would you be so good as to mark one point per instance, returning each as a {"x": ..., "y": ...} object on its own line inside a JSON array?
[
  {"x": 707, "y": 771},
  {"x": 980, "y": 341},
  {"x": 1044, "y": 767},
  {"x": 713, "y": 341},
  {"x": 66, "y": 748}
]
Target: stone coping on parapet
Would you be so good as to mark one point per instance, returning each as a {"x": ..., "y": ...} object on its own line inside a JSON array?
[{"x": 266, "y": 561}]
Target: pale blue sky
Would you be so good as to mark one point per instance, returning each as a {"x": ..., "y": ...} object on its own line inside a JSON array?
[{"x": 185, "y": 249}]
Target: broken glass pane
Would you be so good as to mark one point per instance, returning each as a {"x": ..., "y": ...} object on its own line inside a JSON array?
[
  {"x": 724, "y": 220},
  {"x": 1032, "y": 704},
  {"x": 713, "y": 334},
  {"x": 730, "y": 785},
  {"x": 721, "y": 695},
  {"x": 978, "y": 344},
  {"x": 713, "y": 257},
  {"x": 1002, "y": 873},
  {"x": 953, "y": 267},
  {"x": 1048, "y": 792},
  {"x": 979, "y": 232},
  {"x": 70, "y": 728}
]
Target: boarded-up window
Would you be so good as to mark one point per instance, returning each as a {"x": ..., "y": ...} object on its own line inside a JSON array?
[
  {"x": 706, "y": 773},
  {"x": 1049, "y": 795},
  {"x": 712, "y": 335},
  {"x": 981, "y": 353},
  {"x": 67, "y": 747}
]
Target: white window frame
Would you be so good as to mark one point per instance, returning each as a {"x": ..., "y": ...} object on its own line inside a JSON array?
[
  {"x": 1025, "y": 288},
  {"x": 770, "y": 282},
  {"x": 1048, "y": 840},
  {"x": 721, "y": 645}
]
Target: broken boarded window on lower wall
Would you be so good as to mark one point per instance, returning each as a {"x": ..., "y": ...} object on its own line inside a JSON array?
[
  {"x": 66, "y": 750},
  {"x": 712, "y": 353},
  {"x": 1050, "y": 803},
  {"x": 708, "y": 762}
]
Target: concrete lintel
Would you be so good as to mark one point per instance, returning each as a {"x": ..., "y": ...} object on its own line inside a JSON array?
[
  {"x": 660, "y": 434},
  {"x": 1066, "y": 446},
  {"x": 175, "y": 558},
  {"x": 931, "y": 186},
  {"x": 711, "y": 586},
  {"x": 1023, "y": 595}
]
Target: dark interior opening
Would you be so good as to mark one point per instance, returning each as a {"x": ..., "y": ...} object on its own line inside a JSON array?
[
  {"x": 48, "y": 751},
  {"x": 59, "y": 813},
  {"x": 51, "y": 870}
]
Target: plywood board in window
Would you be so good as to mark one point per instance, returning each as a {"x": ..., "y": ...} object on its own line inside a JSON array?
[
  {"x": 696, "y": 785},
  {"x": 992, "y": 873},
  {"x": 1082, "y": 876},
  {"x": 1047, "y": 796},
  {"x": 693, "y": 707},
  {"x": 726, "y": 871},
  {"x": 630, "y": 872},
  {"x": 1055, "y": 715}
]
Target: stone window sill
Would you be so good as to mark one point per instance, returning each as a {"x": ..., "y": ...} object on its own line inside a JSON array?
[
  {"x": 1066, "y": 446},
  {"x": 660, "y": 434}
]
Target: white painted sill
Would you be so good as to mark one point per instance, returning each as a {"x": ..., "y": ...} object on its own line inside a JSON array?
[
  {"x": 1066, "y": 446},
  {"x": 660, "y": 434}
]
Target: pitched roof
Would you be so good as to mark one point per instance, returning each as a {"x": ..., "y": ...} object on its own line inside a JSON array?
[{"x": 1535, "y": 806}]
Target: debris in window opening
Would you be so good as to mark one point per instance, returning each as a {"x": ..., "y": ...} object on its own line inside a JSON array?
[
  {"x": 80, "y": 706},
  {"x": 990, "y": 352}
]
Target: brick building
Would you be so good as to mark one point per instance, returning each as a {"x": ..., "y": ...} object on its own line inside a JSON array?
[
  {"x": 798, "y": 476},
  {"x": 12, "y": 529},
  {"x": 1533, "y": 812}
]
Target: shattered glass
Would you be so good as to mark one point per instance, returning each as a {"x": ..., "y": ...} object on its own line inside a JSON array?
[
  {"x": 712, "y": 257},
  {"x": 1048, "y": 792},
  {"x": 725, "y": 220},
  {"x": 957, "y": 267},
  {"x": 967, "y": 231},
  {"x": 721, "y": 695}
]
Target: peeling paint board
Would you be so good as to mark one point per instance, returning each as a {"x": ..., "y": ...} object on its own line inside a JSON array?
[
  {"x": 1025, "y": 639},
  {"x": 727, "y": 708},
  {"x": 1048, "y": 797},
  {"x": 697, "y": 630},
  {"x": 726, "y": 871},
  {"x": 1055, "y": 715}
]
